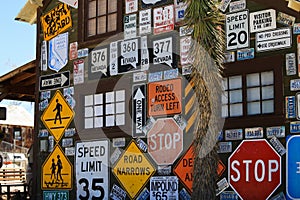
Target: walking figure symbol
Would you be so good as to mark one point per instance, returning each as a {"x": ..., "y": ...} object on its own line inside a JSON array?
[{"x": 58, "y": 109}]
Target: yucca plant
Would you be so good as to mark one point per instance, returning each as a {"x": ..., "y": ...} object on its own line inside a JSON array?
[{"x": 207, "y": 51}]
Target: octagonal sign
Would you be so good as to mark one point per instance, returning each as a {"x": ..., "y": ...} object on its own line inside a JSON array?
[
  {"x": 165, "y": 141},
  {"x": 254, "y": 169}
]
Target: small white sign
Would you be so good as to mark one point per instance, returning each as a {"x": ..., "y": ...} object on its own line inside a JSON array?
[
  {"x": 145, "y": 25},
  {"x": 237, "y": 6},
  {"x": 130, "y": 26},
  {"x": 145, "y": 61},
  {"x": 129, "y": 54},
  {"x": 224, "y": 4},
  {"x": 290, "y": 64},
  {"x": 58, "y": 52},
  {"x": 185, "y": 46},
  {"x": 131, "y": 6},
  {"x": 99, "y": 61},
  {"x": 163, "y": 19},
  {"x": 180, "y": 7},
  {"x": 273, "y": 35},
  {"x": 72, "y": 3},
  {"x": 163, "y": 51},
  {"x": 139, "y": 76},
  {"x": 262, "y": 20},
  {"x": 113, "y": 66},
  {"x": 44, "y": 59},
  {"x": 78, "y": 72},
  {"x": 229, "y": 56},
  {"x": 273, "y": 45},
  {"x": 251, "y": 133},
  {"x": 237, "y": 30},
  {"x": 185, "y": 30},
  {"x": 164, "y": 187},
  {"x": 295, "y": 84}
]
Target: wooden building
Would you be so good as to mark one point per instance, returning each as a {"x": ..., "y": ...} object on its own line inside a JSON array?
[{"x": 113, "y": 100}]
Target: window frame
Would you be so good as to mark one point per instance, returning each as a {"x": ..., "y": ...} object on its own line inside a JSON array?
[
  {"x": 86, "y": 40},
  {"x": 258, "y": 65}
]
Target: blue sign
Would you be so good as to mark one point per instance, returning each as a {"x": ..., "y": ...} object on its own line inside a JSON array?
[
  {"x": 295, "y": 127},
  {"x": 228, "y": 195},
  {"x": 245, "y": 54},
  {"x": 290, "y": 104},
  {"x": 293, "y": 167}
]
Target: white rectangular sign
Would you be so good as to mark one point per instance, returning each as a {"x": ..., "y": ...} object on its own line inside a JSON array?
[
  {"x": 131, "y": 6},
  {"x": 262, "y": 20},
  {"x": 92, "y": 169},
  {"x": 272, "y": 45},
  {"x": 73, "y": 3},
  {"x": 164, "y": 187},
  {"x": 130, "y": 26},
  {"x": 145, "y": 22},
  {"x": 273, "y": 35},
  {"x": 237, "y": 30},
  {"x": 163, "y": 19}
]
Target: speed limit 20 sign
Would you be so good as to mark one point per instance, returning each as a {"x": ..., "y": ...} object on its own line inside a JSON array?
[{"x": 237, "y": 30}]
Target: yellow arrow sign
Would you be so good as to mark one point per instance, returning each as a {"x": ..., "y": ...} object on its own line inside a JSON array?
[
  {"x": 58, "y": 115},
  {"x": 57, "y": 171}
]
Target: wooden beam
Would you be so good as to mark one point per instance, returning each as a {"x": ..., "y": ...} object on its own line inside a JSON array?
[{"x": 21, "y": 77}]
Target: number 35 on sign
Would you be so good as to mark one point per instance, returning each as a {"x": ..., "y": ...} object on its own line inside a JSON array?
[{"x": 237, "y": 30}]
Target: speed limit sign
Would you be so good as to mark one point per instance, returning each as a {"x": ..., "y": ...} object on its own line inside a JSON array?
[{"x": 237, "y": 30}]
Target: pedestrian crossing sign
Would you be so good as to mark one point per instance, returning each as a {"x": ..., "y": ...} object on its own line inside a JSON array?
[
  {"x": 57, "y": 171},
  {"x": 58, "y": 115}
]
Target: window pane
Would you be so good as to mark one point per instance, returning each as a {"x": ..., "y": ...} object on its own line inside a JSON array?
[
  {"x": 92, "y": 9},
  {"x": 236, "y": 110},
  {"x": 267, "y": 78},
  {"x": 101, "y": 7},
  {"x": 252, "y": 79},
  {"x": 253, "y": 94},
  {"x": 268, "y": 92},
  {"x": 253, "y": 108},
  {"x": 224, "y": 98},
  {"x": 112, "y": 6},
  {"x": 112, "y": 22},
  {"x": 101, "y": 25},
  {"x": 92, "y": 27},
  {"x": 224, "y": 111},
  {"x": 268, "y": 106},
  {"x": 235, "y": 96},
  {"x": 235, "y": 82}
]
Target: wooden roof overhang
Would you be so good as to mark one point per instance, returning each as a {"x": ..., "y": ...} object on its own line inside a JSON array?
[{"x": 19, "y": 84}]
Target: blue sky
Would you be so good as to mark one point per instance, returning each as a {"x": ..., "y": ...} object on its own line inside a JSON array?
[{"x": 17, "y": 41}]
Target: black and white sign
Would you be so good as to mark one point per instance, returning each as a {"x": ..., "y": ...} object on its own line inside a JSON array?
[
  {"x": 92, "y": 170},
  {"x": 262, "y": 20},
  {"x": 237, "y": 30},
  {"x": 138, "y": 110},
  {"x": 44, "y": 57},
  {"x": 55, "y": 81},
  {"x": 163, "y": 51},
  {"x": 145, "y": 61},
  {"x": 273, "y": 40},
  {"x": 98, "y": 63},
  {"x": 130, "y": 26},
  {"x": 148, "y": 3},
  {"x": 113, "y": 66},
  {"x": 164, "y": 187},
  {"x": 224, "y": 4},
  {"x": 117, "y": 193},
  {"x": 145, "y": 26},
  {"x": 290, "y": 64},
  {"x": 129, "y": 59}
]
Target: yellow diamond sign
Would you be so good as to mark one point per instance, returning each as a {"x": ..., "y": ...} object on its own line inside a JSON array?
[
  {"x": 58, "y": 115},
  {"x": 57, "y": 171},
  {"x": 133, "y": 169}
]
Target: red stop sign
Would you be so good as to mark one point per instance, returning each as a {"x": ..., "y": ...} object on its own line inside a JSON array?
[
  {"x": 165, "y": 141},
  {"x": 254, "y": 169}
]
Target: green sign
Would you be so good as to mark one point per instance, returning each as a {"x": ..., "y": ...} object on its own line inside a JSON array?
[{"x": 56, "y": 195}]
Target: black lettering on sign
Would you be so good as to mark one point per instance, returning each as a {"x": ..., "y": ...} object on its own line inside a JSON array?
[{"x": 93, "y": 151}]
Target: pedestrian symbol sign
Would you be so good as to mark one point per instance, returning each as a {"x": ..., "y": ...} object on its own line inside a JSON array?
[
  {"x": 58, "y": 115},
  {"x": 57, "y": 171}
]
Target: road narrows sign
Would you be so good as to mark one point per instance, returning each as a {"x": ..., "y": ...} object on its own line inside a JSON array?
[
  {"x": 57, "y": 171},
  {"x": 254, "y": 169},
  {"x": 58, "y": 115},
  {"x": 133, "y": 170}
]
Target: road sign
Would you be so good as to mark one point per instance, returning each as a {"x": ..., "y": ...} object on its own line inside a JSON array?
[
  {"x": 254, "y": 169},
  {"x": 164, "y": 187},
  {"x": 55, "y": 81},
  {"x": 293, "y": 167},
  {"x": 57, "y": 171},
  {"x": 92, "y": 168},
  {"x": 133, "y": 170},
  {"x": 58, "y": 115},
  {"x": 237, "y": 31},
  {"x": 262, "y": 20},
  {"x": 185, "y": 166},
  {"x": 56, "y": 195},
  {"x": 165, "y": 141},
  {"x": 273, "y": 40},
  {"x": 164, "y": 98},
  {"x": 138, "y": 110}
]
